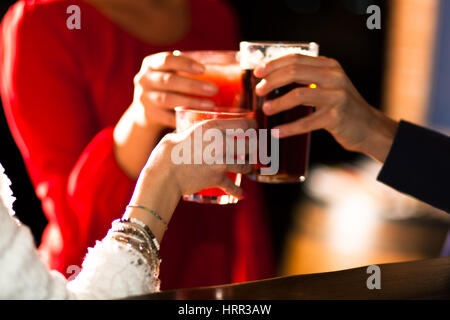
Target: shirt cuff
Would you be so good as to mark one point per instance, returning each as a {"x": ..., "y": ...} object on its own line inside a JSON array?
[{"x": 418, "y": 164}]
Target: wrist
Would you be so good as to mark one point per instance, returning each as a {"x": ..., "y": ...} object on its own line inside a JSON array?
[
  {"x": 156, "y": 190},
  {"x": 381, "y": 134},
  {"x": 160, "y": 178}
]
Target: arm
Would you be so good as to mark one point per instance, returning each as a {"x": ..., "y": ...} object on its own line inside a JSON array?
[
  {"x": 415, "y": 159},
  {"x": 418, "y": 164},
  {"x": 112, "y": 269},
  {"x": 158, "y": 89},
  {"x": 160, "y": 186},
  {"x": 83, "y": 173},
  {"x": 340, "y": 108},
  {"x": 69, "y": 157}
]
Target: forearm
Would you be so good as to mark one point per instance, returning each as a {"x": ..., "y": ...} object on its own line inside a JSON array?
[
  {"x": 134, "y": 141},
  {"x": 156, "y": 190},
  {"x": 124, "y": 275}
]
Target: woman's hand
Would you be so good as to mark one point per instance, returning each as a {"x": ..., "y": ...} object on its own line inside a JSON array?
[
  {"x": 340, "y": 109},
  {"x": 190, "y": 178},
  {"x": 162, "y": 181},
  {"x": 158, "y": 88}
]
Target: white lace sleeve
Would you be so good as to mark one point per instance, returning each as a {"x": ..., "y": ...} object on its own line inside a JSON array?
[
  {"x": 23, "y": 275},
  {"x": 110, "y": 269},
  {"x": 113, "y": 270}
]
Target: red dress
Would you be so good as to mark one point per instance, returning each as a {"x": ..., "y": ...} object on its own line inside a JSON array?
[{"x": 63, "y": 92}]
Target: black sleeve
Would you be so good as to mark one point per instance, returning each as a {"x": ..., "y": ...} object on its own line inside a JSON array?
[{"x": 419, "y": 164}]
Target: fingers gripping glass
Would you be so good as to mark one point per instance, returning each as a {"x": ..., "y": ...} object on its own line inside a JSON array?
[
  {"x": 293, "y": 151},
  {"x": 186, "y": 118}
]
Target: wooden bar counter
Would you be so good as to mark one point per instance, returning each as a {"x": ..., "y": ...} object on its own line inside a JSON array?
[{"x": 425, "y": 279}]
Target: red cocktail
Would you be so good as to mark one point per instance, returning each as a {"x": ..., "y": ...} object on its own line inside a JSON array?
[
  {"x": 186, "y": 118},
  {"x": 221, "y": 68}
]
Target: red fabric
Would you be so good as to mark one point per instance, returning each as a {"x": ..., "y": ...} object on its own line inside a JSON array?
[{"x": 63, "y": 91}]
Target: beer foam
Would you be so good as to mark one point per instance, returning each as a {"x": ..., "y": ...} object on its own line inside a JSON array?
[
  {"x": 251, "y": 56},
  {"x": 249, "y": 60},
  {"x": 277, "y": 52}
]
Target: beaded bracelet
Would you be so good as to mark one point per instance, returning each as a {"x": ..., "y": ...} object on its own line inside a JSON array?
[
  {"x": 151, "y": 212},
  {"x": 131, "y": 232},
  {"x": 140, "y": 225},
  {"x": 137, "y": 228},
  {"x": 134, "y": 233}
]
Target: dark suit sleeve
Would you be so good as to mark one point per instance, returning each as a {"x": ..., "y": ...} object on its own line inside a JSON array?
[{"x": 418, "y": 164}]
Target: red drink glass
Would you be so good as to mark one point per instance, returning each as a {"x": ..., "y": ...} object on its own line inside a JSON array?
[
  {"x": 293, "y": 151},
  {"x": 222, "y": 69},
  {"x": 186, "y": 118}
]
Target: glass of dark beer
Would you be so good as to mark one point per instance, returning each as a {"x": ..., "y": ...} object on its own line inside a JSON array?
[{"x": 293, "y": 151}]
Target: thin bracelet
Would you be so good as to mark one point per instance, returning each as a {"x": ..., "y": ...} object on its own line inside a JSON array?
[{"x": 151, "y": 212}]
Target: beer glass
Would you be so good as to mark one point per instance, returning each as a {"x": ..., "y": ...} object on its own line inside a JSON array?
[{"x": 293, "y": 151}]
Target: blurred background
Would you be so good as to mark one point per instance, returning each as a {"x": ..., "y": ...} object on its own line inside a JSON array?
[{"x": 340, "y": 217}]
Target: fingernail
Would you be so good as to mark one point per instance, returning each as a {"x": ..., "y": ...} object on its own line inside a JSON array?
[
  {"x": 267, "y": 107},
  {"x": 260, "y": 87},
  {"x": 262, "y": 83},
  {"x": 198, "y": 68}
]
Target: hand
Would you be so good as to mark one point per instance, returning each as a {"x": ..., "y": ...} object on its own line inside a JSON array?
[
  {"x": 159, "y": 87},
  {"x": 340, "y": 109},
  {"x": 162, "y": 182},
  {"x": 191, "y": 178}
]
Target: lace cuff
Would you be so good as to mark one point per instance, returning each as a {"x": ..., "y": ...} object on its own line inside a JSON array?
[{"x": 115, "y": 269}]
